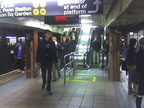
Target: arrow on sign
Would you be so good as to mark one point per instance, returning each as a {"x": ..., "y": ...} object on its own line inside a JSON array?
[{"x": 96, "y": 3}]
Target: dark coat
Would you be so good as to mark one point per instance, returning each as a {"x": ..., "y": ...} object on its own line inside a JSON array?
[
  {"x": 131, "y": 56},
  {"x": 45, "y": 54},
  {"x": 65, "y": 48},
  {"x": 96, "y": 45},
  {"x": 140, "y": 69},
  {"x": 59, "y": 49}
]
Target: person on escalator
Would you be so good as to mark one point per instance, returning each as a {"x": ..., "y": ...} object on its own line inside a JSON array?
[
  {"x": 72, "y": 34},
  {"x": 72, "y": 45},
  {"x": 96, "y": 47}
]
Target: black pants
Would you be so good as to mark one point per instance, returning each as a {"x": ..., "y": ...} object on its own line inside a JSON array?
[
  {"x": 46, "y": 74},
  {"x": 20, "y": 64}
]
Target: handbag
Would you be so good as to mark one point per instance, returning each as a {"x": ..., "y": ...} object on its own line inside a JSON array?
[
  {"x": 135, "y": 77},
  {"x": 124, "y": 65}
]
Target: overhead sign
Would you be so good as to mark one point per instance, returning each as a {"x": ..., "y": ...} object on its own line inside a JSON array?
[{"x": 48, "y": 8}]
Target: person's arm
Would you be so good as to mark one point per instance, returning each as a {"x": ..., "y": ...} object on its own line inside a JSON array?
[{"x": 54, "y": 52}]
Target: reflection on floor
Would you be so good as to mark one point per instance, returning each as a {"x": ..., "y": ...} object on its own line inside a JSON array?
[{"x": 82, "y": 93}]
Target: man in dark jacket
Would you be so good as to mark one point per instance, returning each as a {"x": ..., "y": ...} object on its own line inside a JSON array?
[
  {"x": 46, "y": 55},
  {"x": 140, "y": 70},
  {"x": 131, "y": 64}
]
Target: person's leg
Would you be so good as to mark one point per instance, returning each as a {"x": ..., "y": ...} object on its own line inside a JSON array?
[
  {"x": 49, "y": 78},
  {"x": 106, "y": 59},
  {"x": 22, "y": 65},
  {"x": 43, "y": 68},
  {"x": 54, "y": 72},
  {"x": 57, "y": 67},
  {"x": 98, "y": 58},
  {"x": 138, "y": 101},
  {"x": 62, "y": 61},
  {"x": 129, "y": 84},
  {"x": 130, "y": 69},
  {"x": 135, "y": 87},
  {"x": 18, "y": 62},
  {"x": 94, "y": 57},
  {"x": 140, "y": 93}
]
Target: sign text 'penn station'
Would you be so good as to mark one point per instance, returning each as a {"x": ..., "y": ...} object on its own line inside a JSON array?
[{"x": 15, "y": 11}]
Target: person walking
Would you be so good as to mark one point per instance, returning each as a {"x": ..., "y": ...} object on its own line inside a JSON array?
[
  {"x": 131, "y": 64},
  {"x": 66, "y": 49},
  {"x": 19, "y": 55},
  {"x": 140, "y": 69},
  {"x": 56, "y": 65},
  {"x": 46, "y": 55}
]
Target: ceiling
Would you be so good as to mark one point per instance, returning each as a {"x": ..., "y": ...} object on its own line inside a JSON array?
[
  {"x": 98, "y": 19},
  {"x": 128, "y": 20},
  {"x": 132, "y": 19}
]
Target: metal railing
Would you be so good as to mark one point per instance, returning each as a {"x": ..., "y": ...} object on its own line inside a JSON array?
[
  {"x": 70, "y": 64},
  {"x": 73, "y": 58}
]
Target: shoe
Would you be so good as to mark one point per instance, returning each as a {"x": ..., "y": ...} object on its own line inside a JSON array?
[
  {"x": 22, "y": 71},
  {"x": 130, "y": 92},
  {"x": 43, "y": 86},
  {"x": 49, "y": 92},
  {"x": 59, "y": 75},
  {"x": 54, "y": 80},
  {"x": 18, "y": 71},
  {"x": 62, "y": 69}
]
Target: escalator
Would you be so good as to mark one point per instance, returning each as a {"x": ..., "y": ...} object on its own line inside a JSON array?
[{"x": 83, "y": 46}]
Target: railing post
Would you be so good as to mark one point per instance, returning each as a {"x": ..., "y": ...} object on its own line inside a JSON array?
[
  {"x": 84, "y": 61},
  {"x": 64, "y": 71}
]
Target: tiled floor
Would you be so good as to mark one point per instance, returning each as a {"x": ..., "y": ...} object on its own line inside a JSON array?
[{"x": 27, "y": 93}]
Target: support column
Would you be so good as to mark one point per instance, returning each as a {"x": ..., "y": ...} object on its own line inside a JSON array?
[
  {"x": 34, "y": 51},
  {"x": 31, "y": 47},
  {"x": 114, "y": 55},
  {"x": 28, "y": 59}
]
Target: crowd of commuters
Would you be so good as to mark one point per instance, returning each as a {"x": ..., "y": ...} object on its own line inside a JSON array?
[{"x": 50, "y": 58}]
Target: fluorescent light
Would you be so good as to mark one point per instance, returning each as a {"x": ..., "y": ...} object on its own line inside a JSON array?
[
  {"x": 85, "y": 15},
  {"x": 86, "y": 21},
  {"x": 131, "y": 33}
]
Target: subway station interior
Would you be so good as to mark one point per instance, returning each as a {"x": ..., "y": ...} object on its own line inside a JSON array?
[{"x": 83, "y": 83}]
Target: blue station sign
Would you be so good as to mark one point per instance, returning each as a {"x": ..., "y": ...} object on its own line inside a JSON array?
[{"x": 50, "y": 8}]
